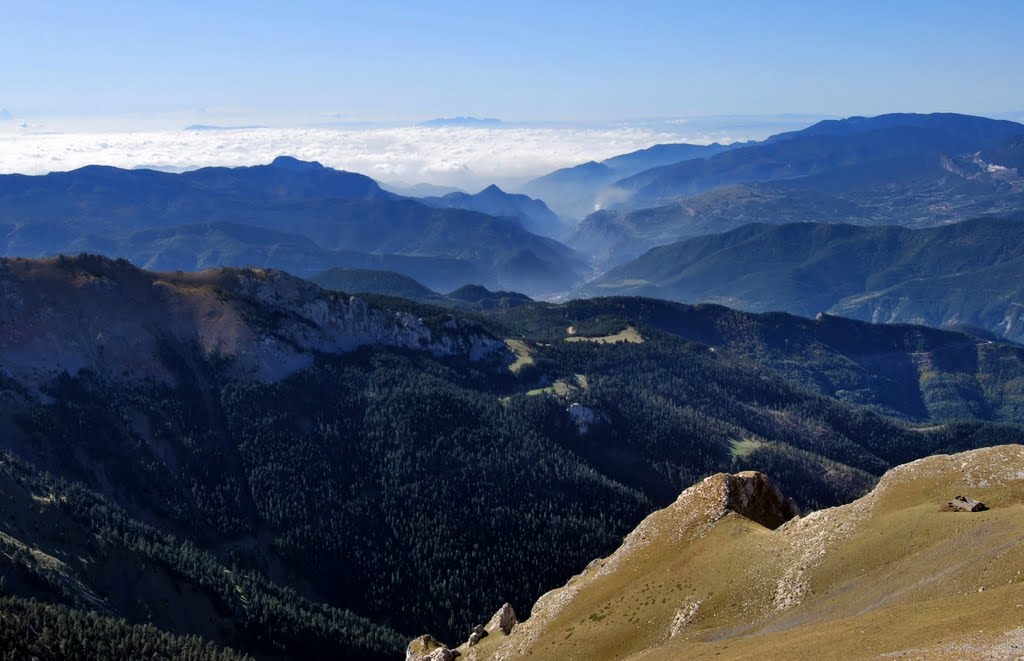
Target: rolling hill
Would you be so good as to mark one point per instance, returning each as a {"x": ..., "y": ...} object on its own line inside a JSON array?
[
  {"x": 395, "y": 285},
  {"x": 963, "y": 273}
]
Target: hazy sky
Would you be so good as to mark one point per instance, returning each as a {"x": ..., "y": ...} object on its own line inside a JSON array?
[{"x": 301, "y": 62}]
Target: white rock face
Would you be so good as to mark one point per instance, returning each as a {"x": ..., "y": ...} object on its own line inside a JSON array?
[{"x": 112, "y": 318}]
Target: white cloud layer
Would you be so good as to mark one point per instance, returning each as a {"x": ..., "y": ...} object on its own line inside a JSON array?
[{"x": 465, "y": 157}]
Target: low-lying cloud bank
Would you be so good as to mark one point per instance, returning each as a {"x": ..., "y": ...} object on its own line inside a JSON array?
[{"x": 451, "y": 156}]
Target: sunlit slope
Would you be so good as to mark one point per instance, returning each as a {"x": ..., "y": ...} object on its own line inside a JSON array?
[{"x": 889, "y": 574}]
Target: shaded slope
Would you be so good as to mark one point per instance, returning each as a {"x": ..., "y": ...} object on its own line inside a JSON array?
[
  {"x": 965, "y": 273},
  {"x": 251, "y": 422},
  {"x": 912, "y": 372}
]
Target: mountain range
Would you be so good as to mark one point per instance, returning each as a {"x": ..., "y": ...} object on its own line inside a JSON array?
[
  {"x": 953, "y": 275},
  {"x": 303, "y": 212},
  {"x": 907, "y": 170},
  {"x": 280, "y": 412},
  {"x": 241, "y": 456},
  {"x": 576, "y": 191}
]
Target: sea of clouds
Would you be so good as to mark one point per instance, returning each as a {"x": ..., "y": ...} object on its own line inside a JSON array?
[{"x": 449, "y": 156}]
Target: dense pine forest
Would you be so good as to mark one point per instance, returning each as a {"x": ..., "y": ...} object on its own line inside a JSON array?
[{"x": 414, "y": 491}]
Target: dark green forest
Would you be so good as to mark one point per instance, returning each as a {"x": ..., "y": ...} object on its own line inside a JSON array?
[{"x": 415, "y": 492}]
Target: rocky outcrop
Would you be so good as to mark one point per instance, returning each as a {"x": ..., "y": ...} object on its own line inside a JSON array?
[
  {"x": 428, "y": 648},
  {"x": 754, "y": 496},
  {"x": 476, "y": 635},
  {"x": 700, "y": 575},
  {"x": 583, "y": 417},
  {"x": 504, "y": 620},
  {"x": 107, "y": 316}
]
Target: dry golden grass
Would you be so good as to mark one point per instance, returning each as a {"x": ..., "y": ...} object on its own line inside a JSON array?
[{"x": 889, "y": 574}]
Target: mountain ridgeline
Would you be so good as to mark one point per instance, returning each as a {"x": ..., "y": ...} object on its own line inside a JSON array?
[
  {"x": 289, "y": 214},
  {"x": 894, "y": 574},
  {"x": 276, "y": 465},
  {"x": 965, "y": 274},
  {"x": 531, "y": 213},
  {"x": 280, "y": 412},
  {"x": 907, "y": 170}
]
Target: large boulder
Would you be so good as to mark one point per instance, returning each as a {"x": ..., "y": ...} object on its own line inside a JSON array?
[{"x": 504, "y": 620}]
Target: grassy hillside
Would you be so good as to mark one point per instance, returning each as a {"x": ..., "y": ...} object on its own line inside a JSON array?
[{"x": 890, "y": 574}]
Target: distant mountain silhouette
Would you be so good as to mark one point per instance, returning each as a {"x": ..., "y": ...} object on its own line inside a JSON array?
[
  {"x": 574, "y": 192},
  {"x": 819, "y": 148},
  {"x": 103, "y": 208},
  {"x": 532, "y": 214},
  {"x": 215, "y": 127},
  {"x": 462, "y": 121},
  {"x": 391, "y": 284}
]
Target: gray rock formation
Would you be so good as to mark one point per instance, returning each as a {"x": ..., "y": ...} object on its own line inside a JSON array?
[
  {"x": 754, "y": 496},
  {"x": 428, "y": 648},
  {"x": 504, "y": 620},
  {"x": 477, "y": 634}
]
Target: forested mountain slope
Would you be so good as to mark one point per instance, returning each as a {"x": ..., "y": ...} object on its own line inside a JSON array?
[
  {"x": 967, "y": 273},
  {"x": 300, "y": 215},
  {"x": 293, "y": 472}
]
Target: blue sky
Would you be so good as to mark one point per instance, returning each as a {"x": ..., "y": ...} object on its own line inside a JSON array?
[{"x": 300, "y": 62}]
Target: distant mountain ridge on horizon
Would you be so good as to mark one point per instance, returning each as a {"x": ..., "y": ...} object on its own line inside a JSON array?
[
  {"x": 312, "y": 208},
  {"x": 904, "y": 169}
]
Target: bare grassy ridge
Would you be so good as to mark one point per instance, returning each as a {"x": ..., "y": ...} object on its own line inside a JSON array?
[{"x": 888, "y": 575}]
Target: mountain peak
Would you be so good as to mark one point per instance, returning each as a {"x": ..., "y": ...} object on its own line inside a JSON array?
[
  {"x": 491, "y": 190},
  {"x": 690, "y": 575},
  {"x": 292, "y": 163}
]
